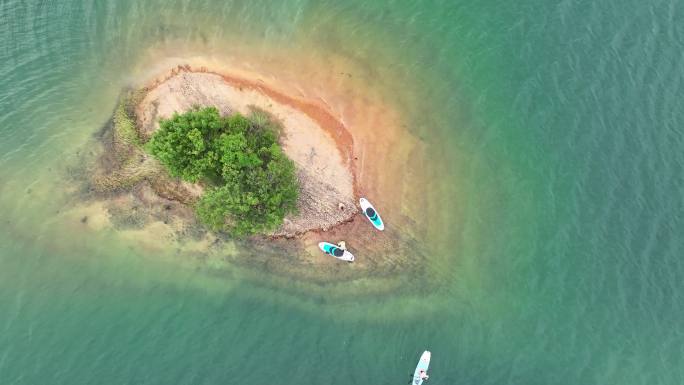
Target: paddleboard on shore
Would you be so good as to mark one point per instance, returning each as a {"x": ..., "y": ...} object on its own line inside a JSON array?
[
  {"x": 336, "y": 252},
  {"x": 423, "y": 364},
  {"x": 371, "y": 214}
]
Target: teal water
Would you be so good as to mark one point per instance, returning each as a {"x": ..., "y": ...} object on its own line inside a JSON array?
[{"x": 555, "y": 127}]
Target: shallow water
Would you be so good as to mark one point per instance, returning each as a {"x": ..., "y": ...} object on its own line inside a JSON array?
[{"x": 556, "y": 193}]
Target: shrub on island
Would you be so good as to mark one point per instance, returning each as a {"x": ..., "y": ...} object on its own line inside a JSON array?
[{"x": 251, "y": 184}]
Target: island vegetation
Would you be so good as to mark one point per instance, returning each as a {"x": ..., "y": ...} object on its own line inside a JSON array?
[{"x": 250, "y": 184}]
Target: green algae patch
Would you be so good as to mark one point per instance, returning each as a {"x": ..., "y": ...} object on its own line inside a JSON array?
[
  {"x": 124, "y": 125},
  {"x": 124, "y": 163}
]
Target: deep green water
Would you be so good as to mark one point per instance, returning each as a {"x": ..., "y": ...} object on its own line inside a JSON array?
[{"x": 556, "y": 128}]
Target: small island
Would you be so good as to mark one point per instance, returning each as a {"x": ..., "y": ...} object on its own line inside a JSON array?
[
  {"x": 224, "y": 171},
  {"x": 240, "y": 160}
]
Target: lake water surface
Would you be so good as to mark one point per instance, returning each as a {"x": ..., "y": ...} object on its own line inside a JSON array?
[{"x": 556, "y": 145}]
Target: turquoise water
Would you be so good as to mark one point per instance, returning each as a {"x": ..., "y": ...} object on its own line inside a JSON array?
[{"x": 555, "y": 128}]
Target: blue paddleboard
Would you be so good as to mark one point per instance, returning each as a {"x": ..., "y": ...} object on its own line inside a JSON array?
[{"x": 336, "y": 252}]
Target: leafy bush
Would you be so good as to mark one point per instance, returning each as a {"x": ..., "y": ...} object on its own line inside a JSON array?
[{"x": 251, "y": 183}]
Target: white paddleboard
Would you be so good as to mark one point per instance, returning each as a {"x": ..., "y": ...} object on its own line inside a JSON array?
[
  {"x": 336, "y": 252},
  {"x": 423, "y": 365},
  {"x": 372, "y": 214}
]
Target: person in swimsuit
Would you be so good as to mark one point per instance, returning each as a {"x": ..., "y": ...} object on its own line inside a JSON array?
[{"x": 423, "y": 375}]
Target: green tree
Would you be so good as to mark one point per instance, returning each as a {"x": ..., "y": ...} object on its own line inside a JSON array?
[
  {"x": 184, "y": 144},
  {"x": 251, "y": 183}
]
